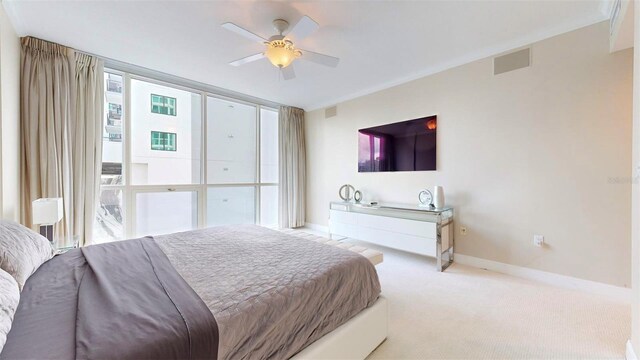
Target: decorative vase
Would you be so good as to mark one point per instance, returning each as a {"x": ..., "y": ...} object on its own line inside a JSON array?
[{"x": 438, "y": 197}]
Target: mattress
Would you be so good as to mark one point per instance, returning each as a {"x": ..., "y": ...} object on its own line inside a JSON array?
[{"x": 272, "y": 294}]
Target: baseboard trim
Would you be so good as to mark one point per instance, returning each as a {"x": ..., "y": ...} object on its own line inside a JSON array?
[
  {"x": 593, "y": 287},
  {"x": 629, "y": 354},
  {"x": 564, "y": 281},
  {"x": 316, "y": 227}
]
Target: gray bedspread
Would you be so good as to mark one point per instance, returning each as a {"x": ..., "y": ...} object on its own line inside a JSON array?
[
  {"x": 272, "y": 294},
  {"x": 122, "y": 300}
]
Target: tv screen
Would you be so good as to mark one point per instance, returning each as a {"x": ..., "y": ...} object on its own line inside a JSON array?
[{"x": 403, "y": 146}]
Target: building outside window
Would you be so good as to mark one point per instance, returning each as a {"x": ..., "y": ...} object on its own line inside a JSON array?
[
  {"x": 114, "y": 121},
  {"x": 109, "y": 213},
  {"x": 155, "y": 188},
  {"x": 114, "y": 83},
  {"x": 163, "y": 105},
  {"x": 115, "y": 111},
  {"x": 163, "y": 141}
]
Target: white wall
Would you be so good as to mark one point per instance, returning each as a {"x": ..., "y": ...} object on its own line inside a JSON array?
[
  {"x": 9, "y": 119},
  {"x": 635, "y": 252},
  {"x": 542, "y": 150}
]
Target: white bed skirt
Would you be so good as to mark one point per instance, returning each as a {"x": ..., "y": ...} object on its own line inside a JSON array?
[{"x": 355, "y": 339}]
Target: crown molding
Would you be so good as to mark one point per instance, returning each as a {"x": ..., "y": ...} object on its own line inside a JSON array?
[{"x": 466, "y": 59}]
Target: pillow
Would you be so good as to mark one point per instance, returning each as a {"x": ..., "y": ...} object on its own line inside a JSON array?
[
  {"x": 22, "y": 251},
  {"x": 9, "y": 298}
]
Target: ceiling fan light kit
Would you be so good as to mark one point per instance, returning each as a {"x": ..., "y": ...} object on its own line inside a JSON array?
[
  {"x": 280, "y": 49},
  {"x": 281, "y": 53}
]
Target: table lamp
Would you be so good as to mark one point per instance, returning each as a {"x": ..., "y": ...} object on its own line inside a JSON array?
[{"x": 46, "y": 212}]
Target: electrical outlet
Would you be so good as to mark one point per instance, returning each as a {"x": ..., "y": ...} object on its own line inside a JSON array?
[
  {"x": 538, "y": 240},
  {"x": 463, "y": 230}
]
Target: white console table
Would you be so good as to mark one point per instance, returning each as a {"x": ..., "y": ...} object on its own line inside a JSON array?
[{"x": 420, "y": 230}]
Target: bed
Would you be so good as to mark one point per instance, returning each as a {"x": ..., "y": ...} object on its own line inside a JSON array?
[{"x": 239, "y": 292}]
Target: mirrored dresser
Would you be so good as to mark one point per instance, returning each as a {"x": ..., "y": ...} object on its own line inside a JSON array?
[{"x": 422, "y": 230}]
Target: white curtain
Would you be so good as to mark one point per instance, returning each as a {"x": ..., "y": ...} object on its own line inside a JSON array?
[
  {"x": 87, "y": 148},
  {"x": 47, "y": 112},
  {"x": 61, "y": 113},
  {"x": 292, "y": 155}
]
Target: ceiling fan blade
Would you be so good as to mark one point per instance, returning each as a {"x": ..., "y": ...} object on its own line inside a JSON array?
[
  {"x": 321, "y": 59},
  {"x": 247, "y": 59},
  {"x": 244, "y": 32},
  {"x": 305, "y": 27},
  {"x": 288, "y": 73}
]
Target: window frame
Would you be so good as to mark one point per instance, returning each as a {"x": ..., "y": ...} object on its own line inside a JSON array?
[
  {"x": 130, "y": 190},
  {"x": 165, "y": 104}
]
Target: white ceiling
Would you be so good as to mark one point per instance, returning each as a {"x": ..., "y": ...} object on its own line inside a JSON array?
[{"x": 380, "y": 43}]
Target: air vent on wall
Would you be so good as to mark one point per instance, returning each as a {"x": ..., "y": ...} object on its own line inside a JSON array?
[
  {"x": 513, "y": 61},
  {"x": 330, "y": 112}
]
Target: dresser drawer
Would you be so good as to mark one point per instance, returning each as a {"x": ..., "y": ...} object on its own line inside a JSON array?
[{"x": 396, "y": 225}]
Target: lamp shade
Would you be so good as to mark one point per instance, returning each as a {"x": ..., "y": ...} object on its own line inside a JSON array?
[
  {"x": 281, "y": 53},
  {"x": 47, "y": 211}
]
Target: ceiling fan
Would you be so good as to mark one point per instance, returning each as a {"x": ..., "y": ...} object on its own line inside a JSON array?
[{"x": 280, "y": 49}]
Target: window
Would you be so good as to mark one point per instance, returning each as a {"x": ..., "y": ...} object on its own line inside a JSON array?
[
  {"x": 150, "y": 187},
  {"x": 163, "y": 141},
  {"x": 163, "y": 105},
  {"x": 110, "y": 214},
  {"x": 112, "y": 147},
  {"x": 150, "y": 158},
  {"x": 231, "y": 142}
]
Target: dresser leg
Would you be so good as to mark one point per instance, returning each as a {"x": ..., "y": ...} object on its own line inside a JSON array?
[{"x": 439, "y": 254}]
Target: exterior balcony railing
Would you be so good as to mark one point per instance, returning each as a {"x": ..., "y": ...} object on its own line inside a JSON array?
[
  {"x": 114, "y": 137},
  {"x": 114, "y": 122},
  {"x": 113, "y": 127},
  {"x": 115, "y": 115},
  {"x": 114, "y": 86}
]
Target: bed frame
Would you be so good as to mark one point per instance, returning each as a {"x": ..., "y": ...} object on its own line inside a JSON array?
[{"x": 355, "y": 339}]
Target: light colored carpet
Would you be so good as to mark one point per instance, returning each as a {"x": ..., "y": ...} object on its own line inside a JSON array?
[{"x": 469, "y": 313}]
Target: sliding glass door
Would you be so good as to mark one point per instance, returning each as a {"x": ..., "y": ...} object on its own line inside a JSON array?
[{"x": 177, "y": 159}]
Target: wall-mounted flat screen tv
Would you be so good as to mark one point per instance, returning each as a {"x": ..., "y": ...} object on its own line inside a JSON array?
[{"x": 403, "y": 146}]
